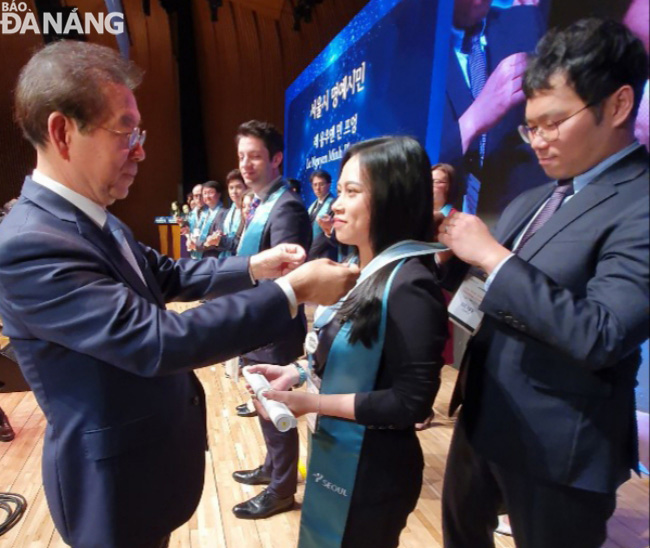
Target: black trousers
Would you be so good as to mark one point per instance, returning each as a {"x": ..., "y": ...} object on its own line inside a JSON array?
[
  {"x": 282, "y": 450},
  {"x": 377, "y": 525},
  {"x": 542, "y": 514}
]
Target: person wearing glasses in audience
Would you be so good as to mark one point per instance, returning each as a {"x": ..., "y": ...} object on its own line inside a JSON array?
[
  {"x": 547, "y": 429},
  {"x": 377, "y": 357},
  {"x": 83, "y": 304}
]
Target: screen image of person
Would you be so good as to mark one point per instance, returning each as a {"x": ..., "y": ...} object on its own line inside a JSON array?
[
  {"x": 378, "y": 356},
  {"x": 484, "y": 102},
  {"x": 547, "y": 429},
  {"x": 83, "y": 304},
  {"x": 321, "y": 207}
]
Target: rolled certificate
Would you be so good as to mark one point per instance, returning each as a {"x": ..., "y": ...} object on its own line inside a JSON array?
[{"x": 279, "y": 413}]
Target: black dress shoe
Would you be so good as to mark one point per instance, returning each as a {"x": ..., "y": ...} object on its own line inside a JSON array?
[
  {"x": 242, "y": 407},
  {"x": 247, "y": 412},
  {"x": 263, "y": 506},
  {"x": 6, "y": 431},
  {"x": 252, "y": 477}
]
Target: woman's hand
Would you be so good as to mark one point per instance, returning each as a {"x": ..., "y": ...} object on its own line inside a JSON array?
[
  {"x": 300, "y": 403},
  {"x": 281, "y": 377}
]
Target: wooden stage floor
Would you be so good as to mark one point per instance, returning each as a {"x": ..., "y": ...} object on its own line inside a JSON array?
[{"x": 236, "y": 443}]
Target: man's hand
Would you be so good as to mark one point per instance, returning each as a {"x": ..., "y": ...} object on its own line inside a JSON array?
[
  {"x": 322, "y": 281},
  {"x": 502, "y": 91},
  {"x": 277, "y": 261},
  {"x": 214, "y": 239},
  {"x": 326, "y": 223},
  {"x": 470, "y": 240}
]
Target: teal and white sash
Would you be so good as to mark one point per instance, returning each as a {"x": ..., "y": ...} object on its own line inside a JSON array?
[
  {"x": 251, "y": 241},
  {"x": 316, "y": 230},
  {"x": 336, "y": 443},
  {"x": 206, "y": 222}
]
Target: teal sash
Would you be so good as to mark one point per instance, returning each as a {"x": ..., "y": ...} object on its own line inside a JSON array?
[
  {"x": 316, "y": 230},
  {"x": 252, "y": 239},
  {"x": 206, "y": 222},
  {"x": 194, "y": 221},
  {"x": 194, "y": 218},
  {"x": 230, "y": 227},
  {"x": 336, "y": 444}
]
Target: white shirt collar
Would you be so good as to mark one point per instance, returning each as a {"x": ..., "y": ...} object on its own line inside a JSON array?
[{"x": 96, "y": 212}]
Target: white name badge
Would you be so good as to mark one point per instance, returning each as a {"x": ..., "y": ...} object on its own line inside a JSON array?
[
  {"x": 311, "y": 342},
  {"x": 464, "y": 307}
]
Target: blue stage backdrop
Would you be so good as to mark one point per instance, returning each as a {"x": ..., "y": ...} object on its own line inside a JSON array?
[{"x": 383, "y": 74}]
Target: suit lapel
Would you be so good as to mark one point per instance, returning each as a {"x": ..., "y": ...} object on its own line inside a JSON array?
[
  {"x": 458, "y": 92},
  {"x": 152, "y": 283},
  {"x": 109, "y": 247},
  {"x": 588, "y": 198},
  {"x": 596, "y": 192},
  {"x": 516, "y": 221}
]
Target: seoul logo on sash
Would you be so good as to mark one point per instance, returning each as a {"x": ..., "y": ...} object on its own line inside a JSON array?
[{"x": 319, "y": 479}]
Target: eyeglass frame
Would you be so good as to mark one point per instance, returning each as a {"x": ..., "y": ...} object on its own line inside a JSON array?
[
  {"x": 136, "y": 135},
  {"x": 524, "y": 130}
]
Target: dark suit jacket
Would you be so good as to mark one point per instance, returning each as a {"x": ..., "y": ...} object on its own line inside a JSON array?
[
  {"x": 391, "y": 463},
  {"x": 123, "y": 459},
  {"x": 217, "y": 225},
  {"x": 288, "y": 224},
  {"x": 323, "y": 247},
  {"x": 510, "y": 167},
  {"x": 551, "y": 372}
]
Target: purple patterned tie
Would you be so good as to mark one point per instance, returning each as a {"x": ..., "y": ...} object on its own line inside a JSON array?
[
  {"x": 564, "y": 188},
  {"x": 251, "y": 212}
]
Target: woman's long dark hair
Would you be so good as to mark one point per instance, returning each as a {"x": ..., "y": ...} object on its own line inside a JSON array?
[{"x": 397, "y": 171}]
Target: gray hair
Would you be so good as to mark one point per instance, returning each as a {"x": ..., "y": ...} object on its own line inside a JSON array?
[{"x": 68, "y": 77}]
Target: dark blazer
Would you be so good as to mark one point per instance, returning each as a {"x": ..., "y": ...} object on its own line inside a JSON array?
[
  {"x": 391, "y": 461},
  {"x": 217, "y": 225},
  {"x": 509, "y": 167},
  {"x": 322, "y": 247},
  {"x": 288, "y": 223},
  {"x": 551, "y": 373},
  {"x": 123, "y": 458}
]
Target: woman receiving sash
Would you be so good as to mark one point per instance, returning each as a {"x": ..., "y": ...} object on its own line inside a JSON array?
[{"x": 376, "y": 355}]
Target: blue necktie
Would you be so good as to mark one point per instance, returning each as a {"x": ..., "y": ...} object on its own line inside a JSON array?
[{"x": 477, "y": 74}]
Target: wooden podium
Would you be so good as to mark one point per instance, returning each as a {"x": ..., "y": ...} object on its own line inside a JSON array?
[{"x": 170, "y": 239}]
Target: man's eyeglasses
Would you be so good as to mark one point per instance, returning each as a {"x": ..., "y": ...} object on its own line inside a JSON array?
[
  {"x": 551, "y": 130},
  {"x": 136, "y": 137}
]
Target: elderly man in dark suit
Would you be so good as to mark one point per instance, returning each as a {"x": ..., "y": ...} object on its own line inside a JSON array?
[
  {"x": 84, "y": 306},
  {"x": 547, "y": 428}
]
